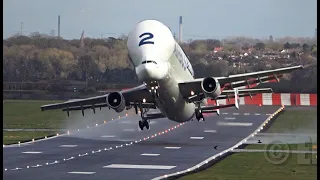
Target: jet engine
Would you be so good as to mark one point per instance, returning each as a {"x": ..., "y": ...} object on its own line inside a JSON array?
[
  {"x": 116, "y": 101},
  {"x": 211, "y": 87},
  {"x": 128, "y": 107}
]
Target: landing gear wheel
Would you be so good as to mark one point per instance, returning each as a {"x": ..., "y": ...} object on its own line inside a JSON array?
[
  {"x": 199, "y": 116},
  {"x": 141, "y": 125},
  {"x": 147, "y": 125}
]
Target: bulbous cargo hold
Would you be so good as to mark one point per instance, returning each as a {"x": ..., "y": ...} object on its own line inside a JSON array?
[
  {"x": 211, "y": 87},
  {"x": 116, "y": 101}
]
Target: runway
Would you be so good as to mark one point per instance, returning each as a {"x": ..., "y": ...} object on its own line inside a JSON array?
[{"x": 118, "y": 150}]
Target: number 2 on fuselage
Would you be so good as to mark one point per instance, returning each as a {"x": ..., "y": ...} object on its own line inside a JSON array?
[{"x": 145, "y": 40}]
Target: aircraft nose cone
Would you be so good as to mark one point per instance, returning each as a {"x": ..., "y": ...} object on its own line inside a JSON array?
[{"x": 151, "y": 71}]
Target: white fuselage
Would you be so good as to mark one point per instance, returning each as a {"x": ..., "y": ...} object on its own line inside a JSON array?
[{"x": 161, "y": 64}]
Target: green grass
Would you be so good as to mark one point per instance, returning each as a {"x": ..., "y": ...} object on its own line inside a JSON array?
[
  {"x": 20, "y": 114},
  {"x": 292, "y": 120},
  {"x": 14, "y": 137},
  {"x": 304, "y": 147},
  {"x": 252, "y": 166},
  {"x": 26, "y": 114}
]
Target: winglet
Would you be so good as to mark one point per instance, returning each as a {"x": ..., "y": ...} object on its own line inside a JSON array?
[{"x": 236, "y": 97}]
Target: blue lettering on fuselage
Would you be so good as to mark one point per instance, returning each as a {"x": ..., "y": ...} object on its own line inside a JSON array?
[{"x": 183, "y": 60}]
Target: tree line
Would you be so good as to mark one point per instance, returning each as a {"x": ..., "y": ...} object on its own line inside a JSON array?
[{"x": 38, "y": 58}]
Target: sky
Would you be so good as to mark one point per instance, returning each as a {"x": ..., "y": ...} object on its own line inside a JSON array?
[{"x": 201, "y": 18}]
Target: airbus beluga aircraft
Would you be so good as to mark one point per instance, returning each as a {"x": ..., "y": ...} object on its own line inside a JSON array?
[{"x": 168, "y": 82}]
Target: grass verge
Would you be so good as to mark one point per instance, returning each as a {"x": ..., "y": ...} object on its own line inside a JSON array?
[
  {"x": 252, "y": 166},
  {"x": 21, "y": 136},
  {"x": 22, "y": 114}
]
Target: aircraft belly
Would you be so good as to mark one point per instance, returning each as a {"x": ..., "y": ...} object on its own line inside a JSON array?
[{"x": 171, "y": 103}]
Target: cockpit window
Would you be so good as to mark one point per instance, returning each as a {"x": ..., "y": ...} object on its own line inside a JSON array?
[{"x": 144, "y": 62}]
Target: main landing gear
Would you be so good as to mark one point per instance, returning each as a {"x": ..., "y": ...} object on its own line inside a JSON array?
[
  {"x": 199, "y": 115},
  {"x": 144, "y": 122}
]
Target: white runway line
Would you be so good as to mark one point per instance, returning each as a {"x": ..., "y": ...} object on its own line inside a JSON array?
[
  {"x": 132, "y": 166},
  {"x": 210, "y": 131},
  {"x": 129, "y": 130},
  {"x": 224, "y": 113},
  {"x": 196, "y": 137},
  {"x": 146, "y": 154},
  {"x": 233, "y": 124},
  {"x": 31, "y": 152},
  {"x": 227, "y": 118},
  {"x": 247, "y": 114},
  {"x": 125, "y": 122},
  {"x": 235, "y": 113},
  {"x": 107, "y": 136},
  {"x": 68, "y": 145},
  {"x": 268, "y": 114},
  {"x": 172, "y": 147},
  {"x": 257, "y": 114},
  {"x": 78, "y": 172}
]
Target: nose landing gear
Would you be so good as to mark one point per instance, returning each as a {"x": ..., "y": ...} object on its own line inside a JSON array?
[{"x": 144, "y": 122}]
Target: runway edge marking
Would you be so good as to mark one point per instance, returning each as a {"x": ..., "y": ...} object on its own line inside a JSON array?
[
  {"x": 47, "y": 138},
  {"x": 194, "y": 168},
  {"x": 79, "y": 172},
  {"x": 107, "y": 149},
  {"x": 136, "y": 166}
]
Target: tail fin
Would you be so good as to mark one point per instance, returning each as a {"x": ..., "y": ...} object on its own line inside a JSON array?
[{"x": 236, "y": 98}]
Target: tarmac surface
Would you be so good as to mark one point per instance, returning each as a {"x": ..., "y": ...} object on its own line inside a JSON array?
[{"x": 118, "y": 150}]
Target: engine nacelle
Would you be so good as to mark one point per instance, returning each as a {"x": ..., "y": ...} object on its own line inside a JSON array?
[
  {"x": 116, "y": 101},
  {"x": 211, "y": 87},
  {"x": 128, "y": 107}
]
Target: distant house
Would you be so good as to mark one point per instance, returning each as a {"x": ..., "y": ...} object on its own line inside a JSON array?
[
  {"x": 217, "y": 49},
  {"x": 250, "y": 50}
]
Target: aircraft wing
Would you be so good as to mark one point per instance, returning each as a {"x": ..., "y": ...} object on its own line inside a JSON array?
[
  {"x": 131, "y": 96},
  {"x": 249, "y": 91},
  {"x": 260, "y": 75},
  {"x": 236, "y": 81}
]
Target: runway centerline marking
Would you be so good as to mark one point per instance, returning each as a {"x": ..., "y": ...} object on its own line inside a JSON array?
[
  {"x": 146, "y": 154},
  {"x": 172, "y": 147},
  {"x": 247, "y": 114},
  {"x": 257, "y": 114},
  {"x": 68, "y": 145},
  {"x": 78, "y": 172},
  {"x": 233, "y": 124},
  {"x": 32, "y": 152},
  {"x": 133, "y": 166},
  {"x": 226, "y": 118},
  {"x": 107, "y": 136},
  {"x": 235, "y": 113},
  {"x": 129, "y": 130},
  {"x": 196, "y": 137},
  {"x": 210, "y": 131}
]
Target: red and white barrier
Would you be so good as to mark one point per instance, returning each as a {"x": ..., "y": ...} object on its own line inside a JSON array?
[{"x": 287, "y": 99}]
